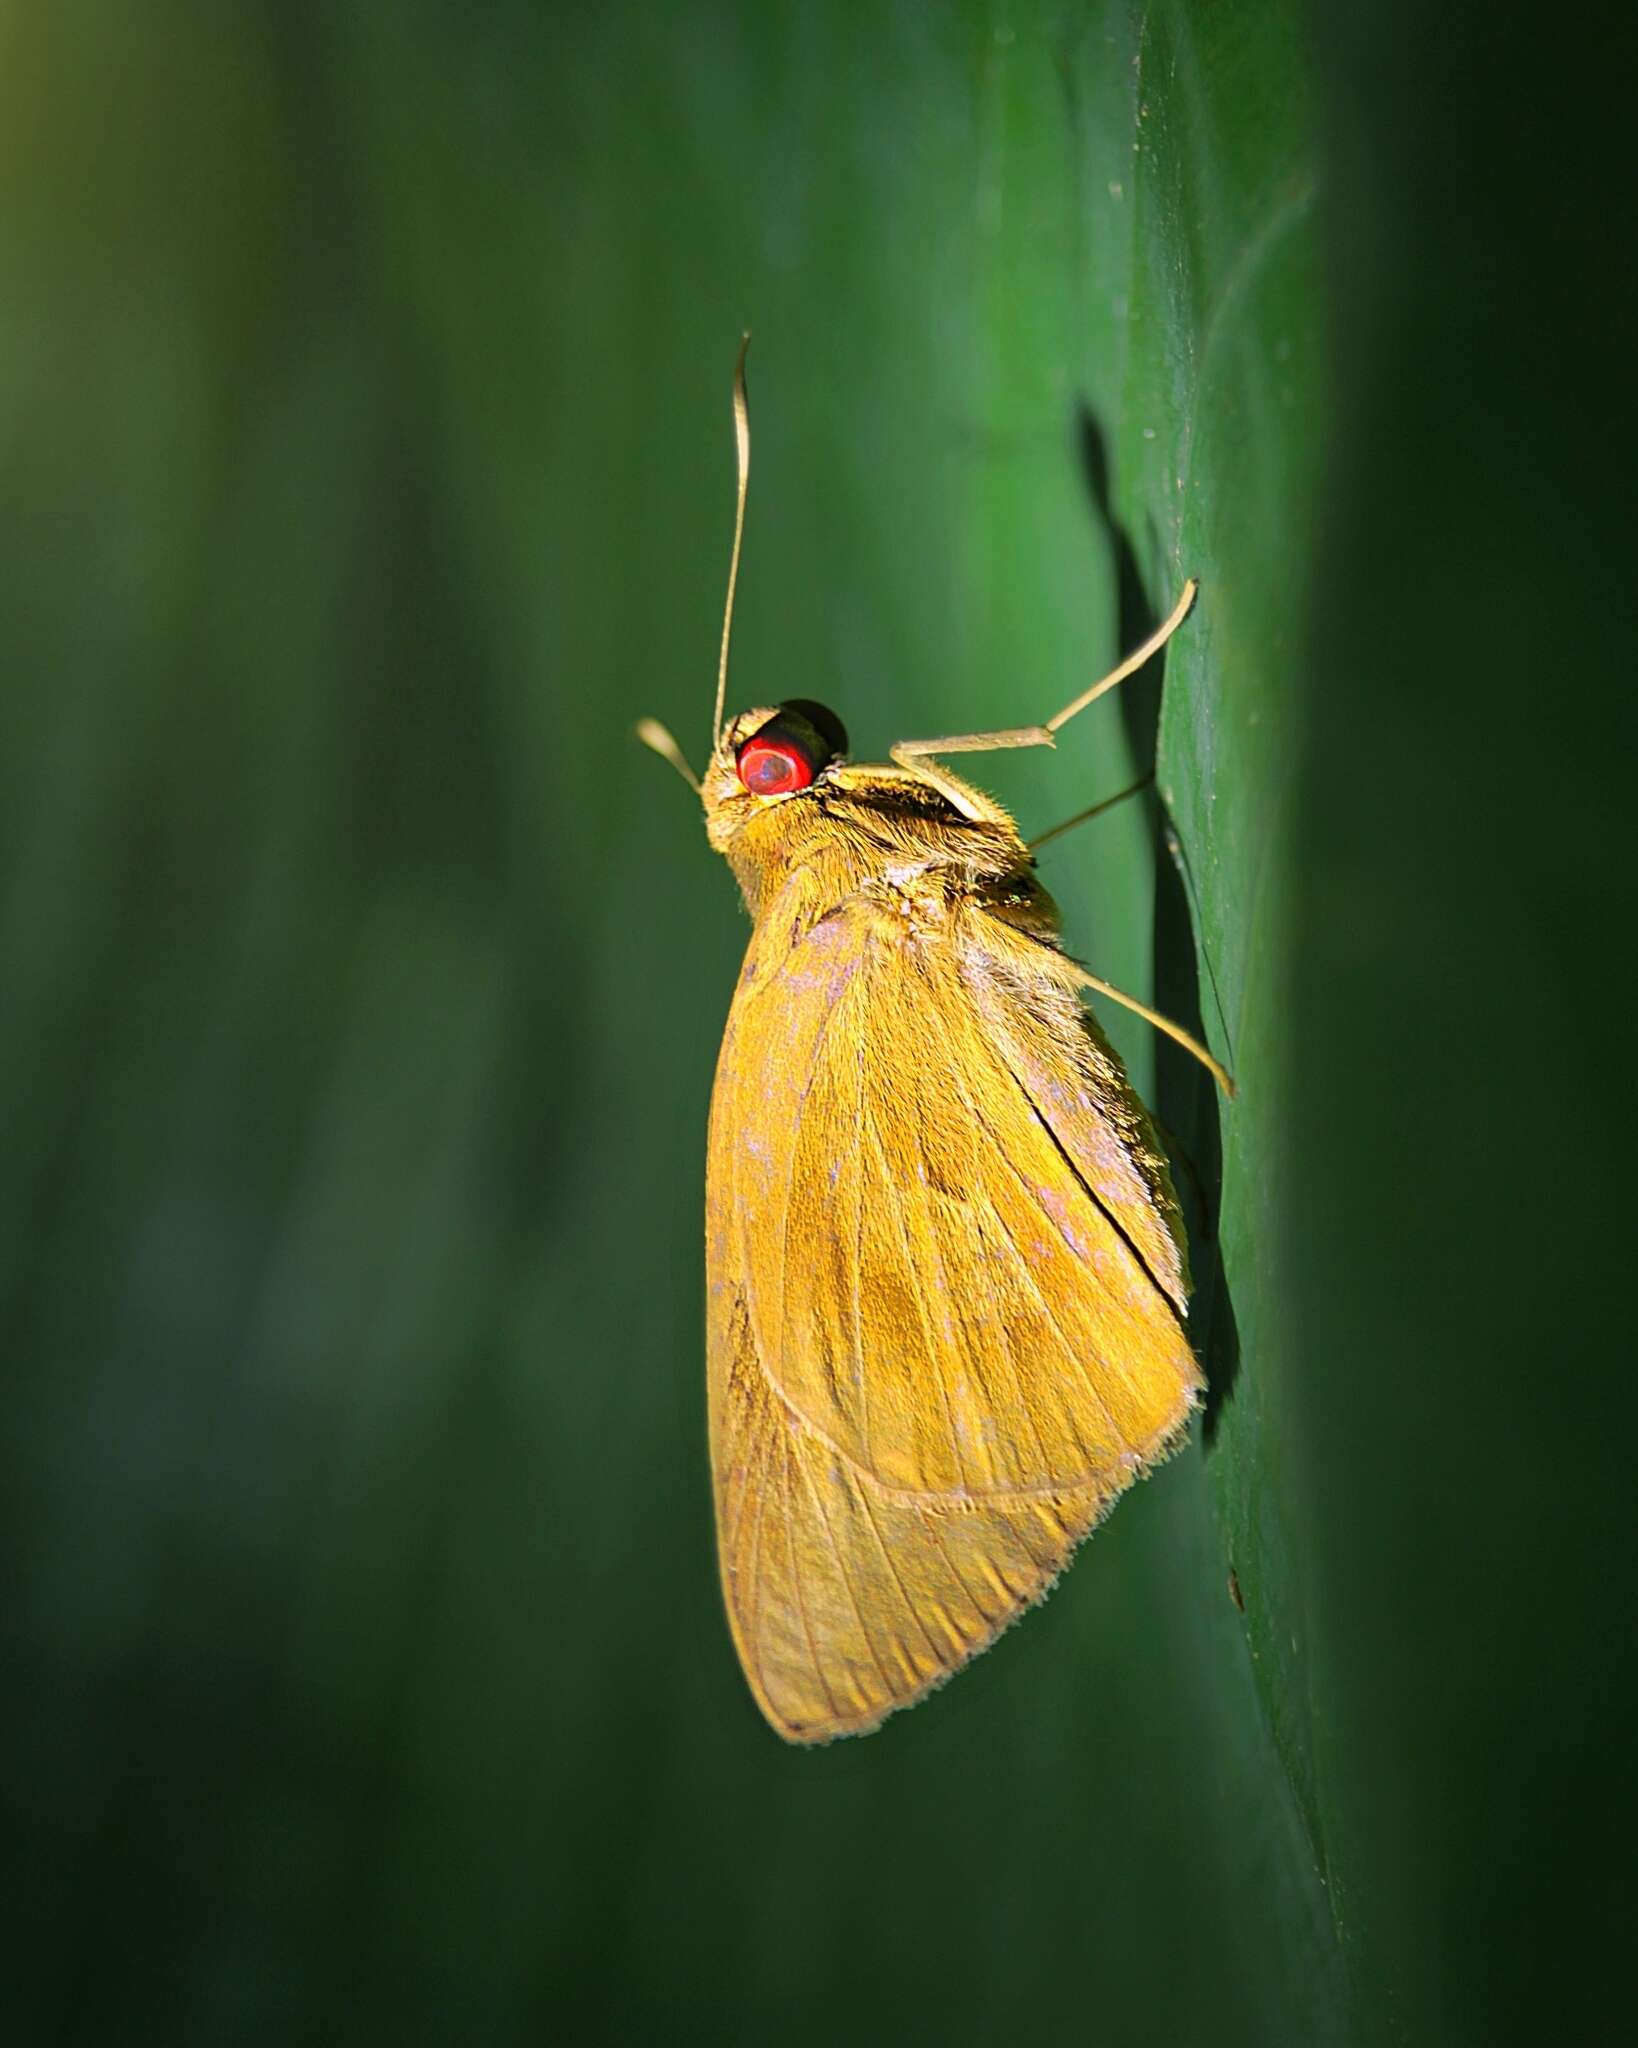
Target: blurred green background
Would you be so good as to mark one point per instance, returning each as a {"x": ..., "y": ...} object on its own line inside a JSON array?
[{"x": 367, "y": 470}]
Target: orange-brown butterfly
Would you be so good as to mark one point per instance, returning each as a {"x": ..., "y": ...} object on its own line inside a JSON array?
[{"x": 945, "y": 1265}]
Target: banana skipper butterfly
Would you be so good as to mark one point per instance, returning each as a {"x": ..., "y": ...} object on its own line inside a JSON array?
[{"x": 946, "y": 1279}]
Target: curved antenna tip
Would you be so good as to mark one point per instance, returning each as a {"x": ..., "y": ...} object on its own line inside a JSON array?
[
  {"x": 654, "y": 735},
  {"x": 742, "y": 449}
]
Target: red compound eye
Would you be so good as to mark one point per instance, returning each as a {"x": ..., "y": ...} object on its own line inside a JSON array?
[
  {"x": 773, "y": 764},
  {"x": 790, "y": 749}
]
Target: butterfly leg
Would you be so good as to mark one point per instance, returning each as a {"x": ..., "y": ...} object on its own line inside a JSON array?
[
  {"x": 1046, "y": 735},
  {"x": 1186, "y": 1039},
  {"x": 1092, "y": 811}
]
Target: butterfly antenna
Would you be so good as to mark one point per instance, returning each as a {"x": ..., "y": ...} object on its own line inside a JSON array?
[
  {"x": 742, "y": 441},
  {"x": 653, "y": 734}
]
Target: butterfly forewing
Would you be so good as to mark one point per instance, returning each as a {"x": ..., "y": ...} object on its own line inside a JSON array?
[{"x": 945, "y": 1298}]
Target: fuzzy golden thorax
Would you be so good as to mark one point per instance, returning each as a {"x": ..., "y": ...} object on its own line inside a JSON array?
[{"x": 860, "y": 824}]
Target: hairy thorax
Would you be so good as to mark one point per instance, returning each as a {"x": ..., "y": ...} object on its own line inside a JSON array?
[{"x": 885, "y": 833}]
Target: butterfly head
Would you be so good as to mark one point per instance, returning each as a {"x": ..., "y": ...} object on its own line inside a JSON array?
[{"x": 763, "y": 758}]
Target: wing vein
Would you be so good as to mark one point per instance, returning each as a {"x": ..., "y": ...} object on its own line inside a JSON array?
[
  {"x": 937, "y": 1535},
  {"x": 861, "y": 1374},
  {"x": 1102, "y": 1207},
  {"x": 801, "y": 1595},
  {"x": 969, "y": 1351},
  {"x": 909, "y": 1604},
  {"x": 921, "y": 1312},
  {"x": 1068, "y": 1158},
  {"x": 746, "y": 1491},
  {"x": 753, "y": 1607},
  {"x": 795, "y": 1152},
  {"x": 1005, "y": 1335},
  {"x": 1070, "y": 1350},
  {"x": 847, "y": 1582}
]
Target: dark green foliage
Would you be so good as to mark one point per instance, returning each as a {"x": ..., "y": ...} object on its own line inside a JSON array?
[{"x": 367, "y": 471}]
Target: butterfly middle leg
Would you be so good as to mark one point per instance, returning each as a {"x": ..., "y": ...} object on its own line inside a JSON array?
[{"x": 1092, "y": 811}]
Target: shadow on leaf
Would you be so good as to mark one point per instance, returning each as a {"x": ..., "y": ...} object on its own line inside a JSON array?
[{"x": 1185, "y": 1105}]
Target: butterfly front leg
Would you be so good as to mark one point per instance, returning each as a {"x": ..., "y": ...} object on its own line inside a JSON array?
[{"x": 907, "y": 751}]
